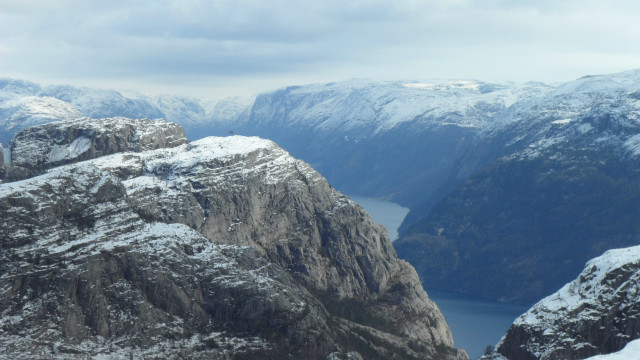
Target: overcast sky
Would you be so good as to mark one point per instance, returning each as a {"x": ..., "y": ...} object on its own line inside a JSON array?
[{"x": 240, "y": 47}]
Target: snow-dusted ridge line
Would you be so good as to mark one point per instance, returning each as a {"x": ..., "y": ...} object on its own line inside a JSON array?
[
  {"x": 378, "y": 106},
  {"x": 586, "y": 289},
  {"x": 598, "y": 312}
]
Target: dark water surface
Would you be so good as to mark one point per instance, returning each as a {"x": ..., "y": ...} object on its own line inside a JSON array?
[
  {"x": 474, "y": 322},
  {"x": 389, "y": 214}
]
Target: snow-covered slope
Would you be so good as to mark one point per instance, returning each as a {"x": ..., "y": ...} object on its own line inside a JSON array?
[
  {"x": 96, "y": 103},
  {"x": 630, "y": 352},
  {"x": 15, "y": 88},
  {"x": 22, "y": 112},
  {"x": 396, "y": 140},
  {"x": 597, "y": 313},
  {"x": 361, "y": 109},
  {"x": 551, "y": 180},
  {"x": 592, "y": 111},
  {"x": 200, "y": 117}
]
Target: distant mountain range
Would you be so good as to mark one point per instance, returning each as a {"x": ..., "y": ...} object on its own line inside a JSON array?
[
  {"x": 512, "y": 187},
  {"x": 24, "y": 103}
]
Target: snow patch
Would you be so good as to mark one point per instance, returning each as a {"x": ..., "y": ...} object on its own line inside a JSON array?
[
  {"x": 77, "y": 147},
  {"x": 630, "y": 352},
  {"x": 632, "y": 144},
  {"x": 562, "y": 122}
]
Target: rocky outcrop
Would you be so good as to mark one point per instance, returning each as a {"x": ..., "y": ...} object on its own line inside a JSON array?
[
  {"x": 597, "y": 313},
  {"x": 36, "y": 149},
  {"x": 222, "y": 248}
]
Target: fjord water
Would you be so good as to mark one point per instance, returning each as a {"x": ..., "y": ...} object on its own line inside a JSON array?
[
  {"x": 474, "y": 322},
  {"x": 387, "y": 213}
]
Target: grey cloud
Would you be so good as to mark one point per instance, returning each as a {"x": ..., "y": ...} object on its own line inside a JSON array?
[{"x": 287, "y": 38}]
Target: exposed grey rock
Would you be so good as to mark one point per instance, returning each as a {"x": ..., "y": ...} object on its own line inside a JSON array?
[
  {"x": 36, "y": 149},
  {"x": 223, "y": 248},
  {"x": 3, "y": 169},
  {"x": 83, "y": 275},
  {"x": 597, "y": 313}
]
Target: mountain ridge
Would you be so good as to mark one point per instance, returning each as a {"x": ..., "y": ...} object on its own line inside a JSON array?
[{"x": 223, "y": 247}]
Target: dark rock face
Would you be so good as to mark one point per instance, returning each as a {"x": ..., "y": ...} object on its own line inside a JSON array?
[
  {"x": 515, "y": 222},
  {"x": 223, "y": 248},
  {"x": 598, "y": 313},
  {"x": 36, "y": 149}
]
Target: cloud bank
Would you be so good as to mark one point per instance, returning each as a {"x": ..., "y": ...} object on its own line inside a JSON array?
[{"x": 251, "y": 44}]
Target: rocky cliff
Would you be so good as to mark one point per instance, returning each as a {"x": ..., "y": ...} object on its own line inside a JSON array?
[
  {"x": 36, "y": 149},
  {"x": 597, "y": 313},
  {"x": 221, "y": 248}
]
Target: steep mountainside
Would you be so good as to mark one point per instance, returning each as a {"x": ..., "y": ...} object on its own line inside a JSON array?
[
  {"x": 221, "y": 248},
  {"x": 561, "y": 187},
  {"x": 597, "y": 313},
  {"x": 397, "y": 140}
]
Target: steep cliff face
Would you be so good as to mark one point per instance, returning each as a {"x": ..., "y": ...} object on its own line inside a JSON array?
[
  {"x": 597, "y": 313},
  {"x": 222, "y": 248},
  {"x": 36, "y": 149}
]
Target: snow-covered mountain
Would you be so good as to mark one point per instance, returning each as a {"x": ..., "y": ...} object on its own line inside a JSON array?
[
  {"x": 22, "y": 112},
  {"x": 597, "y": 313},
  {"x": 493, "y": 171},
  {"x": 558, "y": 183},
  {"x": 412, "y": 131},
  {"x": 219, "y": 248},
  {"x": 630, "y": 352},
  {"x": 25, "y": 104},
  {"x": 396, "y": 140}
]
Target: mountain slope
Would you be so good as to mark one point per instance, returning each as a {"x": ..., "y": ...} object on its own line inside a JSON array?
[
  {"x": 22, "y": 112},
  {"x": 221, "y": 248},
  {"x": 561, "y": 186},
  {"x": 597, "y": 313},
  {"x": 397, "y": 140}
]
